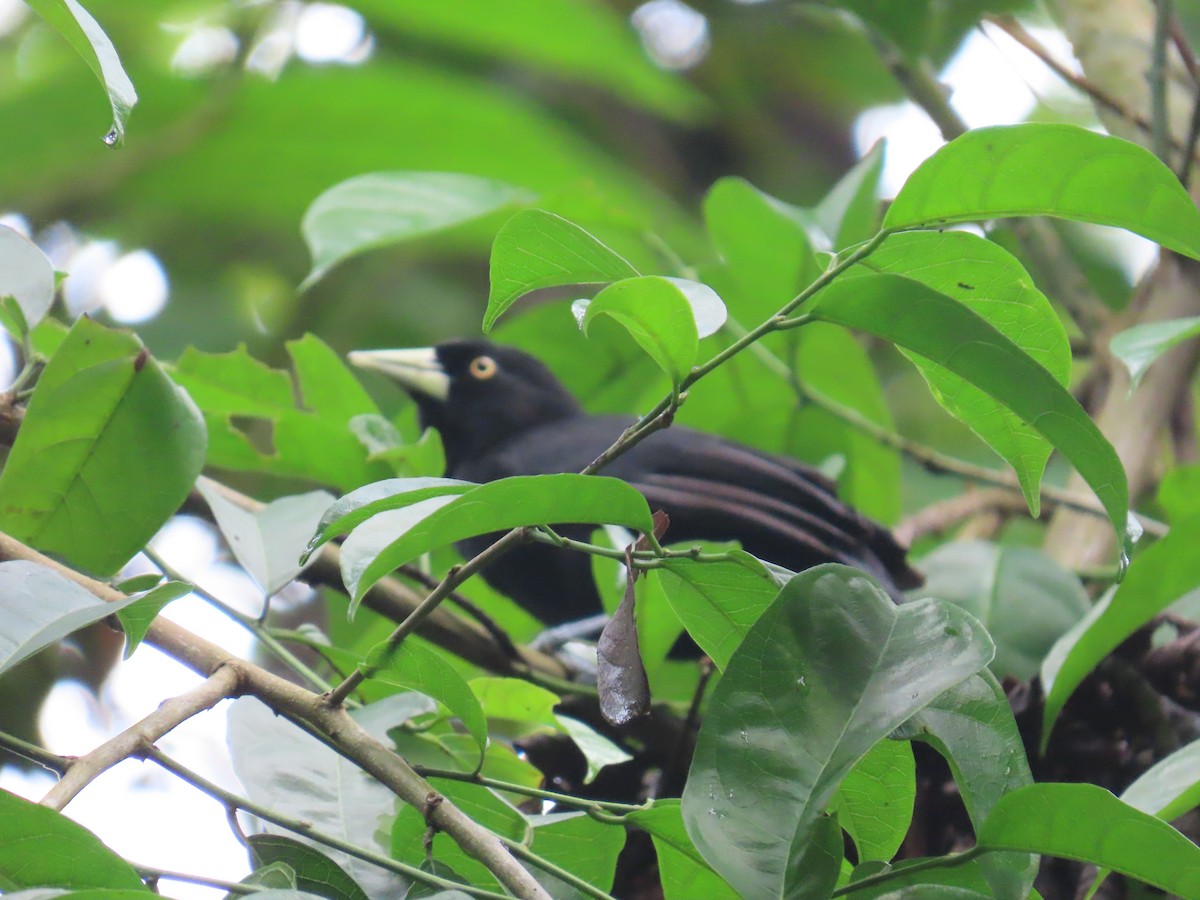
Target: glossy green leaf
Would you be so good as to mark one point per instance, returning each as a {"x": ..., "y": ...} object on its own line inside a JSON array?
[
  {"x": 972, "y": 727},
  {"x": 684, "y": 873},
  {"x": 84, "y": 33},
  {"x": 393, "y": 538},
  {"x": 1087, "y": 823},
  {"x": 421, "y": 668},
  {"x": 71, "y": 485},
  {"x": 1170, "y": 787},
  {"x": 315, "y": 872},
  {"x": 79, "y": 859},
  {"x": 267, "y": 543},
  {"x": 764, "y": 245},
  {"x": 1026, "y": 600},
  {"x": 717, "y": 602},
  {"x": 382, "y": 208},
  {"x": 41, "y": 607},
  {"x": 307, "y": 437},
  {"x": 874, "y": 803},
  {"x": 1138, "y": 347},
  {"x": 830, "y": 669},
  {"x": 350, "y": 511},
  {"x": 991, "y": 282},
  {"x": 537, "y": 249},
  {"x": 1162, "y": 574},
  {"x": 657, "y": 313},
  {"x": 137, "y": 617},
  {"x": 929, "y": 323},
  {"x": 26, "y": 276},
  {"x": 1049, "y": 170}
]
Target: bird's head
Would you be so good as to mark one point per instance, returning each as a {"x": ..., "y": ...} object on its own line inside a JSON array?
[{"x": 475, "y": 393}]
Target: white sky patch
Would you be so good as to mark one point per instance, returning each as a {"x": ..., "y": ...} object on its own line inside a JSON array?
[
  {"x": 674, "y": 35},
  {"x": 331, "y": 33},
  {"x": 134, "y": 287}
]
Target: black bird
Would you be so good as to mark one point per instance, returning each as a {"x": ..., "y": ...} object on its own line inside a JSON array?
[{"x": 501, "y": 412}]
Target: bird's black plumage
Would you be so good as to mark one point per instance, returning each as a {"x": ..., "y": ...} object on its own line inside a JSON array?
[{"x": 501, "y": 412}]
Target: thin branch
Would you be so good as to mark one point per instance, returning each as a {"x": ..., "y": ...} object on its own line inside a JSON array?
[
  {"x": 522, "y": 852},
  {"x": 541, "y": 794},
  {"x": 35, "y": 754},
  {"x": 222, "y": 683},
  {"x": 1160, "y": 122},
  {"x": 939, "y": 517},
  {"x": 341, "y": 731},
  {"x": 250, "y": 623},
  {"x": 153, "y": 874},
  {"x": 295, "y": 825}
]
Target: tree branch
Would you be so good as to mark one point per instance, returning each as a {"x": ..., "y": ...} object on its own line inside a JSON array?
[
  {"x": 342, "y": 732},
  {"x": 221, "y": 684}
]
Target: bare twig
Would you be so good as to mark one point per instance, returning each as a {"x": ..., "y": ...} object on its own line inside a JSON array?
[
  {"x": 222, "y": 683},
  {"x": 339, "y": 730},
  {"x": 1160, "y": 123}
]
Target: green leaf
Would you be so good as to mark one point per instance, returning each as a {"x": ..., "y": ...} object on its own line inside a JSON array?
[
  {"x": 764, "y": 245},
  {"x": 830, "y": 669},
  {"x": 578, "y": 843},
  {"x": 315, "y": 872},
  {"x": 537, "y": 249},
  {"x": 350, "y": 511},
  {"x": 1163, "y": 574},
  {"x": 573, "y": 42},
  {"x": 308, "y": 435},
  {"x": 830, "y": 361},
  {"x": 972, "y": 727},
  {"x": 1026, "y": 600},
  {"x": 84, "y": 33},
  {"x": 937, "y": 327},
  {"x": 658, "y": 313},
  {"x": 1138, "y": 347},
  {"x": 991, "y": 282},
  {"x": 107, "y": 451},
  {"x": 382, "y": 208},
  {"x": 137, "y": 617},
  {"x": 1170, "y": 787},
  {"x": 515, "y": 707},
  {"x": 717, "y": 602},
  {"x": 26, "y": 276},
  {"x": 598, "y": 750},
  {"x": 850, "y": 212},
  {"x": 1086, "y": 823},
  {"x": 684, "y": 873},
  {"x": 41, "y": 607},
  {"x": 393, "y": 538},
  {"x": 267, "y": 543},
  {"x": 419, "y": 667},
  {"x": 874, "y": 804},
  {"x": 1051, "y": 170},
  {"x": 78, "y": 859}
]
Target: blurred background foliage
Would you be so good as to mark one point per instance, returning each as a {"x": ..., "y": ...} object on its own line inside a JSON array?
[{"x": 616, "y": 115}]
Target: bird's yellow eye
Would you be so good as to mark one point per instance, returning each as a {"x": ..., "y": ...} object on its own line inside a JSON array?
[{"x": 482, "y": 368}]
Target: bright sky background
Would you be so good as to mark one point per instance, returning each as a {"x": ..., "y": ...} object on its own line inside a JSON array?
[{"x": 153, "y": 818}]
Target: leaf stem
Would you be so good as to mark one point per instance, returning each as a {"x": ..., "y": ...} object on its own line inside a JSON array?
[{"x": 512, "y": 788}]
